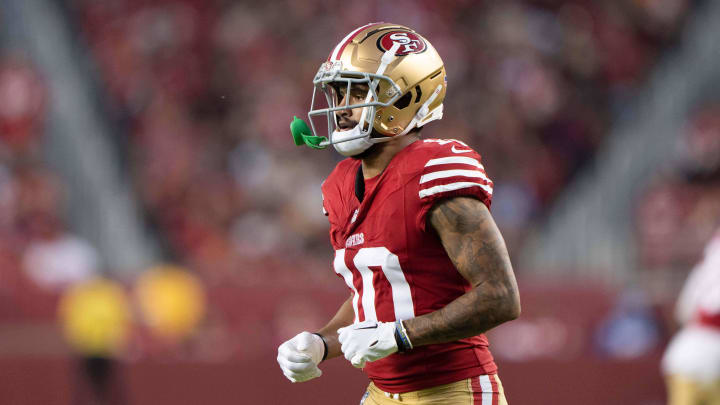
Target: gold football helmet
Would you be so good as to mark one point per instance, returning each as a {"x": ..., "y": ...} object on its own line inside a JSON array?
[{"x": 405, "y": 78}]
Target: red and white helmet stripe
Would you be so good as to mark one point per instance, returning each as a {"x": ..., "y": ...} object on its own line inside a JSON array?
[{"x": 340, "y": 47}]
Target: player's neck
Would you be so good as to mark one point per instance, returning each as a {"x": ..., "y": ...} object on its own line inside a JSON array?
[{"x": 376, "y": 162}]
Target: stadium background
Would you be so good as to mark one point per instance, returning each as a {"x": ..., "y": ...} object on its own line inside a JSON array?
[{"x": 147, "y": 142}]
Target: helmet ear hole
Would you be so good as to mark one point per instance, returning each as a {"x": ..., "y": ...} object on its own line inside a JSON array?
[{"x": 403, "y": 101}]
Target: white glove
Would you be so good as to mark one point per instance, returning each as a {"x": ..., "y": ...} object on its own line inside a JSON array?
[
  {"x": 367, "y": 341},
  {"x": 298, "y": 357}
]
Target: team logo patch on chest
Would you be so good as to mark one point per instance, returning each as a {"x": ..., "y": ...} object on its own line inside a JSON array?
[{"x": 355, "y": 239}]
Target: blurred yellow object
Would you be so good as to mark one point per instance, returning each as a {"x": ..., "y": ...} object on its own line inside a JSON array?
[
  {"x": 171, "y": 301},
  {"x": 95, "y": 317}
]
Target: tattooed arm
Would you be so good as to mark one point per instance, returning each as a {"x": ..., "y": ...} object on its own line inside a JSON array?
[{"x": 474, "y": 244}]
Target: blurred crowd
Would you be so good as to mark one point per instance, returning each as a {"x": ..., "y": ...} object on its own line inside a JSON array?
[
  {"x": 679, "y": 211},
  {"x": 202, "y": 93},
  {"x": 38, "y": 253}
]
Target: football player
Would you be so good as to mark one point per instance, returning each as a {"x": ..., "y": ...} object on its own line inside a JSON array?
[
  {"x": 691, "y": 363},
  {"x": 427, "y": 268}
]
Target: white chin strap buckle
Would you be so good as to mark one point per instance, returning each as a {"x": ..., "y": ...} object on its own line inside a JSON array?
[{"x": 350, "y": 143}]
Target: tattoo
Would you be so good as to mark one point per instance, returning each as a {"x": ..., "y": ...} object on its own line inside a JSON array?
[{"x": 474, "y": 244}]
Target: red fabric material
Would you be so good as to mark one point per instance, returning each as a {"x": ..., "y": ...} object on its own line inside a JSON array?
[
  {"x": 495, "y": 390},
  {"x": 449, "y": 150},
  {"x": 390, "y": 217},
  {"x": 710, "y": 319},
  {"x": 476, "y": 390}
]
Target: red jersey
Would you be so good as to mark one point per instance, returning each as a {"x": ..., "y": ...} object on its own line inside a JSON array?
[
  {"x": 703, "y": 286},
  {"x": 398, "y": 269}
]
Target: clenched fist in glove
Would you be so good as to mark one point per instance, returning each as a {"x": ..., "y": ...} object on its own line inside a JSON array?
[
  {"x": 371, "y": 340},
  {"x": 299, "y": 357}
]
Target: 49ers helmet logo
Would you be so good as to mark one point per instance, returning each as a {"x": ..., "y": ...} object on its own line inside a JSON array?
[{"x": 409, "y": 42}]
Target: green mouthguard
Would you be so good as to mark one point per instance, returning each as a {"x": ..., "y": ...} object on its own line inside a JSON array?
[{"x": 303, "y": 136}]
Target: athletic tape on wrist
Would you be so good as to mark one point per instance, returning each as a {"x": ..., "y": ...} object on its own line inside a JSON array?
[{"x": 325, "y": 346}]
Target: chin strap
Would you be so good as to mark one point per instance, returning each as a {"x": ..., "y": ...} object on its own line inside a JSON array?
[
  {"x": 385, "y": 60},
  {"x": 423, "y": 116}
]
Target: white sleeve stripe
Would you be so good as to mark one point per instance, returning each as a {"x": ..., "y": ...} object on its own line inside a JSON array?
[
  {"x": 455, "y": 159},
  {"x": 452, "y": 187},
  {"x": 452, "y": 173}
]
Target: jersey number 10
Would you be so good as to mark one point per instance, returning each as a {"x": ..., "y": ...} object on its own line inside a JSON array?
[{"x": 371, "y": 280}]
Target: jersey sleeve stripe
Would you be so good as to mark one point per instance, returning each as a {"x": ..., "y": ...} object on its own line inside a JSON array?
[
  {"x": 452, "y": 173},
  {"x": 452, "y": 187},
  {"x": 455, "y": 159}
]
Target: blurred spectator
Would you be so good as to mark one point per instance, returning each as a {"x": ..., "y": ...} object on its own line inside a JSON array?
[
  {"x": 53, "y": 257},
  {"x": 681, "y": 208},
  {"x": 59, "y": 260},
  {"x": 22, "y": 104},
  {"x": 700, "y": 147},
  {"x": 95, "y": 317},
  {"x": 39, "y": 256},
  {"x": 631, "y": 330},
  {"x": 30, "y": 200},
  {"x": 171, "y": 302}
]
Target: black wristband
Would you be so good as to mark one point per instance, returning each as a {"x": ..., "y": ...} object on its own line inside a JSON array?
[
  {"x": 325, "y": 346},
  {"x": 398, "y": 341},
  {"x": 402, "y": 344}
]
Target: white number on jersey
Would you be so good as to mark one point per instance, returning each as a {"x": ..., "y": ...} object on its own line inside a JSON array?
[{"x": 390, "y": 265}]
